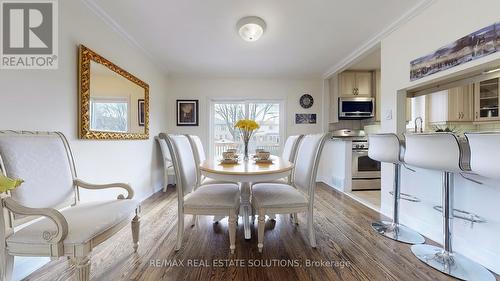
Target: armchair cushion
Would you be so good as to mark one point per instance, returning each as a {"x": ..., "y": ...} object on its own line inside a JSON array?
[
  {"x": 274, "y": 195},
  {"x": 85, "y": 221},
  {"x": 213, "y": 196}
]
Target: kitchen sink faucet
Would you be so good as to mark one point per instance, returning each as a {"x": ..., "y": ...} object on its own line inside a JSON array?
[{"x": 421, "y": 125}]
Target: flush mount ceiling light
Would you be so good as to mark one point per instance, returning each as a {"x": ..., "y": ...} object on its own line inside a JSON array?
[{"x": 251, "y": 28}]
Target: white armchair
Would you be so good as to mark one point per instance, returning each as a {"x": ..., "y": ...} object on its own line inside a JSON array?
[{"x": 45, "y": 162}]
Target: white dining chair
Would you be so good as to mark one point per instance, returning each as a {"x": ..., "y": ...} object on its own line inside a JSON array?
[
  {"x": 276, "y": 198},
  {"x": 44, "y": 216},
  {"x": 222, "y": 199},
  {"x": 289, "y": 153},
  {"x": 168, "y": 166},
  {"x": 199, "y": 157}
]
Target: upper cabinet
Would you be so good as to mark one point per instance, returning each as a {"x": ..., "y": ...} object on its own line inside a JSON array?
[
  {"x": 355, "y": 84},
  {"x": 486, "y": 100},
  {"x": 453, "y": 105}
]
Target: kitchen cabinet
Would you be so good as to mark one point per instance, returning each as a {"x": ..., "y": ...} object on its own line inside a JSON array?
[
  {"x": 486, "y": 95},
  {"x": 453, "y": 105},
  {"x": 355, "y": 84}
]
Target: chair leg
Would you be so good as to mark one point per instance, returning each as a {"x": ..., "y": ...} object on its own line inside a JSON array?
[
  {"x": 180, "y": 231},
  {"x": 310, "y": 228},
  {"x": 7, "y": 266},
  {"x": 82, "y": 265},
  {"x": 232, "y": 230},
  {"x": 136, "y": 225},
  {"x": 261, "y": 224}
]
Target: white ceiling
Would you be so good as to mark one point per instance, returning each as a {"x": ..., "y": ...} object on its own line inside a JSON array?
[{"x": 304, "y": 38}]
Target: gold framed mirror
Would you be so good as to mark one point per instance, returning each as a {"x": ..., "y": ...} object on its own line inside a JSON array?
[{"x": 113, "y": 104}]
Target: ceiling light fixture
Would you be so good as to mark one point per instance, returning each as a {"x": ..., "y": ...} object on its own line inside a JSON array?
[{"x": 251, "y": 28}]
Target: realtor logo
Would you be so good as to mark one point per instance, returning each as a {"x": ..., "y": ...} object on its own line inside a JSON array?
[{"x": 28, "y": 34}]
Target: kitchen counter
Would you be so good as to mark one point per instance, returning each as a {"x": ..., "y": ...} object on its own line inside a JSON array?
[{"x": 335, "y": 167}]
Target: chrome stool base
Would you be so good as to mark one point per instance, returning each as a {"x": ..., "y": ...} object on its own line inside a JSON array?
[
  {"x": 398, "y": 232},
  {"x": 452, "y": 264}
]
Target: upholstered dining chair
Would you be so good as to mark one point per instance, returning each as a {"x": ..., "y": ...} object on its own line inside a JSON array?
[
  {"x": 199, "y": 157},
  {"x": 168, "y": 167},
  {"x": 278, "y": 198},
  {"x": 222, "y": 199},
  {"x": 48, "y": 204}
]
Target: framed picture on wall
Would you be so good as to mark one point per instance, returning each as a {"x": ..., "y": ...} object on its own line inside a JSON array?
[
  {"x": 140, "y": 111},
  {"x": 187, "y": 112},
  {"x": 305, "y": 118}
]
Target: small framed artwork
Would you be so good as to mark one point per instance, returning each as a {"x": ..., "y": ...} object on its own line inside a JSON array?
[
  {"x": 305, "y": 118},
  {"x": 140, "y": 111},
  {"x": 187, "y": 112}
]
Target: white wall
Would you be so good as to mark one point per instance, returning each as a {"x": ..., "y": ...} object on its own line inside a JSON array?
[
  {"x": 205, "y": 89},
  {"x": 437, "y": 26},
  {"x": 48, "y": 100}
]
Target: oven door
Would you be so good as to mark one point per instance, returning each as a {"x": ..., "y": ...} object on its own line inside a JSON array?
[{"x": 363, "y": 167}]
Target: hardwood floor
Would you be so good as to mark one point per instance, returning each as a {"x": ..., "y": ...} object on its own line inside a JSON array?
[{"x": 343, "y": 232}]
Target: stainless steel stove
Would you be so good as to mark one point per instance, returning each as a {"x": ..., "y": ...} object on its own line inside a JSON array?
[{"x": 365, "y": 171}]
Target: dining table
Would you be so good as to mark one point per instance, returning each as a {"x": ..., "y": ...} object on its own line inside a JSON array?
[{"x": 246, "y": 172}]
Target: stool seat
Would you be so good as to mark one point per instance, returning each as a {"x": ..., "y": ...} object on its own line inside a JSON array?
[
  {"x": 446, "y": 153},
  {"x": 484, "y": 154},
  {"x": 388, "y": 148}
]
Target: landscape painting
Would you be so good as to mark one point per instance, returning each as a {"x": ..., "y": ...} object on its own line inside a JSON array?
[
  {"x": 305, "y": 118},
  {"x": 473, "y": 46}
]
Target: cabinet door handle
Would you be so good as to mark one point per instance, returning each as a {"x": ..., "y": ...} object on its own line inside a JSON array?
[{"x": 477, "y": 115}]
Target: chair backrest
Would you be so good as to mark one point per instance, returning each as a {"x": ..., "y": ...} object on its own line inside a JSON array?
[
  {"x": 198, "y": 148},
  {"x": 436, "y": 151},
  {"x": 45, "y": 163},
  {"x": 384, "y": 148},
  {"x": 290, "y": 148},
  {"x": 167, "y": 159},
  {"x": 307, "y": 161},
  {"x": 184, "y": 162},
  {"x": 484, "y": 154}
]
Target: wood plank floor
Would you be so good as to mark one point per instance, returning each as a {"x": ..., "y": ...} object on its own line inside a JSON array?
[{"x": 344, "y": 236}]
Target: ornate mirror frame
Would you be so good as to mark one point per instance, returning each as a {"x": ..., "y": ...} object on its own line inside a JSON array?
[{"x": 86, "y": 55}]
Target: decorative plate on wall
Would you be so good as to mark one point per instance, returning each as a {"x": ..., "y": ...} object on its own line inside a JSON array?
[{"x": 306, "y": 101}]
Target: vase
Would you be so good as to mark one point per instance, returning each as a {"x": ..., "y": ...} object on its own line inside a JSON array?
[{"x": 245, "y": 156}]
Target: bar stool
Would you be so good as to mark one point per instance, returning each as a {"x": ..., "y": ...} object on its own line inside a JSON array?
[
  {"x": 387, "y": 148},
  {"x": 443, "y": 152}
]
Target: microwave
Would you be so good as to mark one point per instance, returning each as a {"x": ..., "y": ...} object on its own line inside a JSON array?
[{"x": 356, "y": 108}]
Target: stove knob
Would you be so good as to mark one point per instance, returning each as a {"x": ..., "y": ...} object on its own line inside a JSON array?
[
  {"x": 356, "y": 146},
  {"x": 362, "y": 146}
]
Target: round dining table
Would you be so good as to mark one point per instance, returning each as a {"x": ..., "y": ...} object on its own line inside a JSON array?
[{"x": 246, "y": 172}]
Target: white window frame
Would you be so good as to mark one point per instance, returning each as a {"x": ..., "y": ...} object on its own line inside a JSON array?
[
  {"x": 246, "y": 102},
  {"x": 113, "y": 100}
]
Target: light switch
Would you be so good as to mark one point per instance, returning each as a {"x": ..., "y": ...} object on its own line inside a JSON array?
[{"x": 388, "y": 114}]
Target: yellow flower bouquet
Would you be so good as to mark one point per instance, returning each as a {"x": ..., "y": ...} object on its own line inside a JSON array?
[{"x": 247, "y": 127}]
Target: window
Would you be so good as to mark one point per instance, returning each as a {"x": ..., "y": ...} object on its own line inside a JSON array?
[
  {"x": 266, "y": 113},
  {"x": 109, "y": 114}
]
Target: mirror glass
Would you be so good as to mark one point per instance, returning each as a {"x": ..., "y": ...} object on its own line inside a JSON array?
[{"x": 116, "y": 103}]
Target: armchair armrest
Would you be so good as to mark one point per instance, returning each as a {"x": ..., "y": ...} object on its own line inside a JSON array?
[
  {"x": 56, "y": 238},
  {"x": 130, "y": 191}
]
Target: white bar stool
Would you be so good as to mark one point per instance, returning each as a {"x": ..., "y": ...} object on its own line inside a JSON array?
[
  {"x": 387, "y": 148},
  {"x": 443, "y": 152}
]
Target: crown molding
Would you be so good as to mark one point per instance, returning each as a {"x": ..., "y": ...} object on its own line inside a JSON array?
[
  {"x": 97, "y": 10},
  {"x": 374, "y": 42}
]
